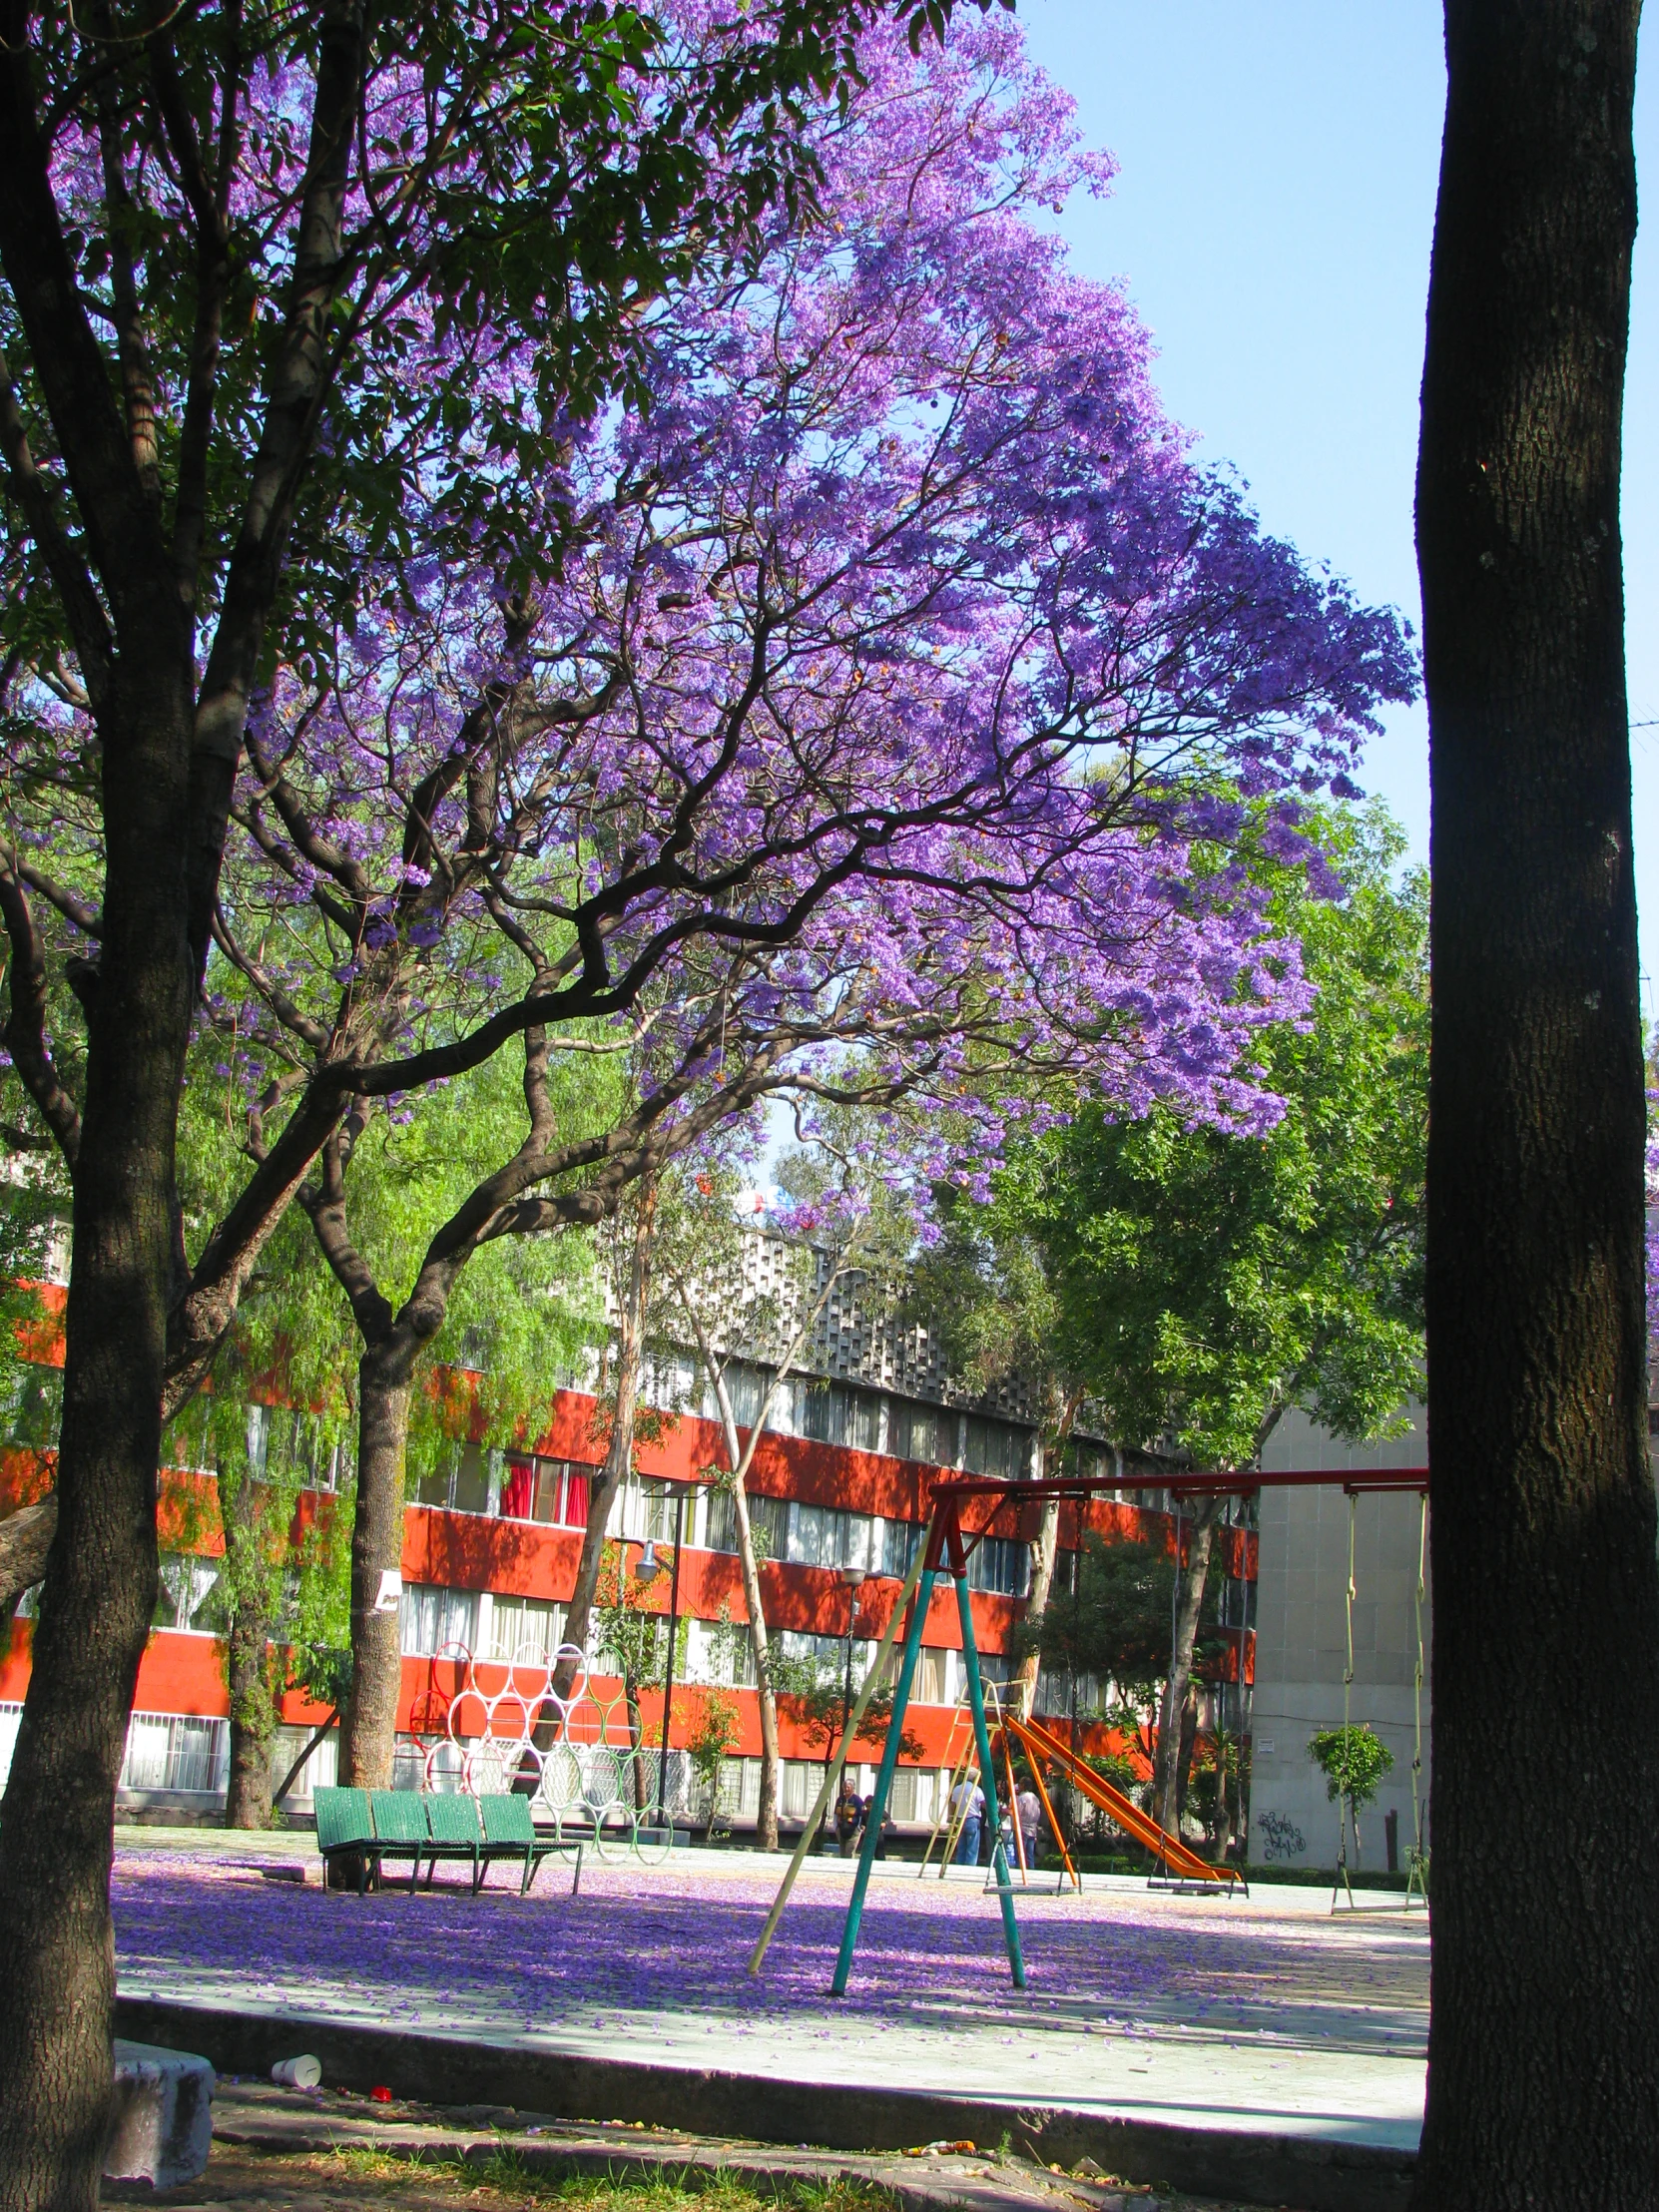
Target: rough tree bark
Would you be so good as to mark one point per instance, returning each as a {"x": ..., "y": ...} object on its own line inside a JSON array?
[
  {"x": 1045, "y": 1552},
  {"x": 25, "y": 1541},
  {"x": 1543, "y": 2075},
  {"x": 99, "y": 1596}
]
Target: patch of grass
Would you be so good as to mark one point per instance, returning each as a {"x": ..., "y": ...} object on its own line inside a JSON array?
[{"x": 505, "y": 2175}]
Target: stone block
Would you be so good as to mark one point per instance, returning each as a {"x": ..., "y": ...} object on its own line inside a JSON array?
[{"x": 163, "y": 2124}]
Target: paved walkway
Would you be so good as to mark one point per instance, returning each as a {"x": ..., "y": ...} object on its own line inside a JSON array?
[{"x": 1265, "y": 2014}]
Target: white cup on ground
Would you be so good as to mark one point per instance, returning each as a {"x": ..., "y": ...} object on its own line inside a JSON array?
[{"x": 304, "y": 2072}]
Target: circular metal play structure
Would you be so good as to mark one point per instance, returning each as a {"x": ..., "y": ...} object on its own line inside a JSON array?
[{"x": 499, "y": 1724}]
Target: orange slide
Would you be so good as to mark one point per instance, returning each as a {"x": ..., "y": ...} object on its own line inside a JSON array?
[{"x": 1173, "y": 1856}]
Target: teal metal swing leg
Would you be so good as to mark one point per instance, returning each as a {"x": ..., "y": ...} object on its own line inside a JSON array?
[
  {"x": 987, "y": 1783},
  {"x": 883, "y": 1784}
]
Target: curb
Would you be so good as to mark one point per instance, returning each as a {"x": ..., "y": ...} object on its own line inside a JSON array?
[{"x": 436, "y": 2069}]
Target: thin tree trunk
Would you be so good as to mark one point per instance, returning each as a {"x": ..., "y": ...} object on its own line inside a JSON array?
[
  {"x": 1543, "y": 2067},
  {"x": 248, "y": 1660},
  {"x": 1045, "y": 1553},
  {"x": 766, "y": 1817},
  {"x": 368, "y": 1733},
  {"x": 1167, "y": 1763},
  {"x": 619, "y": 1452},
  {"x": 99, "y": 1595}
]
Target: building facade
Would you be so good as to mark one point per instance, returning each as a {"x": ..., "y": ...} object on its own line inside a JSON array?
[
  {"x": 839, "y": 1482},
  {"x": 1302, "y": 1644}
]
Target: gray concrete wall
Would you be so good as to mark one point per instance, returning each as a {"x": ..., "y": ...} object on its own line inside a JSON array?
[{"x": 1301, "y": 1642}]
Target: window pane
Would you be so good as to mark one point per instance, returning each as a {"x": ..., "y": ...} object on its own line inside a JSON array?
[
  {"x": 432, "y": 1487},
  {"x": 549, "y": 1487},
  {"x": 574, "y": 1513},
  {"x": 929, "y": 1681},
  {"x": 472, "y": 1480},
  {"x": 816, "y": 1412},
  {"x": 518, "y": 1489}
]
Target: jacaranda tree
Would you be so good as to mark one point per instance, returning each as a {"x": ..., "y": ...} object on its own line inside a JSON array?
[
  {"x": 265, "y": 274},
  {"x": 893, "y": 659},
  {"x": 863, "y": 680}
]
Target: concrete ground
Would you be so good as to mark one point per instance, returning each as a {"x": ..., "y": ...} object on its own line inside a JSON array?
[{"x": 1263, "y": 2016}]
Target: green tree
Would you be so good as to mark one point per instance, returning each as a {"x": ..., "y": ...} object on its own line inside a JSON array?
[
  {"x": 1353, "y": 1762},
  {"x": 1206, "y": 1280},
  {"x": 262, "y": 277}
]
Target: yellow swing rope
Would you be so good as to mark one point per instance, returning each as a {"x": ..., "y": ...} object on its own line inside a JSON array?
[{"x": 1343, "y": 1880}]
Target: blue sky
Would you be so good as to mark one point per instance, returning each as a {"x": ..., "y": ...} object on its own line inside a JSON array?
[{"x": 1272, "y": 220}]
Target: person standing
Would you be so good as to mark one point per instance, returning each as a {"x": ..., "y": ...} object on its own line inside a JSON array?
[
  {"x": 967, "y": 1804},
  {"x": 850, "y": 1818},
  {"x": 1028, "y": 1812}
]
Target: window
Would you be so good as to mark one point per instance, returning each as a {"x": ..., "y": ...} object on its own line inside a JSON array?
[
  {"x": 835, "y": 1414},
  {"x": 899, "y": 1544},
  {"x": 551, "y": 1490},
  {"x": 460, "y": 1480},
  {"x": 525, "y": 1628},
  {"x": 922, "y": 1432},
  {"x": 768, "y": 1523},
  {"x": 174, "y": 1751},
  {"x": 827, "y": 1536},
  {"x": 187, "y": 1584},
  {"x": 928, "y": 1687},
  {"x": 430, "y": 1616},
  {"x": 902, "y": 1802},
  {"x": 669, "y": 1380},
  {"x": 1000, "y": 1565},
  {"x": 996, "y": 1448},
  {"x": 745, "y": 1389},
  {"x": 801, "y": 1783},
  {"x": 720, "y": 1523},
  {"x": 284, "y": 1440}
]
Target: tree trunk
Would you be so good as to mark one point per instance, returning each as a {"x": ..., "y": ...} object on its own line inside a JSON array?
[
  {"x": 1045, "y": 1553},
  {"x": 1168, "y": 1764},
  {"x": 99, "y": 1595},
  {"x": 248, "y": 1659},
  {"x": 368, "y": 1734},
  {"x": 1543, "y": 2072},
  {"x": 766, "y": 1818},
  {"x": 252, "y": 1721},
  {"x": 619, "y": 1452},
  {"x": 1045, "y": 1557}
]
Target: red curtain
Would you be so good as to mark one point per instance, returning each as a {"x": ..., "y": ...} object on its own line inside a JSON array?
[
  {"x": 575, "y": 1515},
  {"x": 517, "y": 1491}
]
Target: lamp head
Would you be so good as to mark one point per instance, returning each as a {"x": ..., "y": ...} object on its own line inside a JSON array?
[{"x": 650, "y": 1566}]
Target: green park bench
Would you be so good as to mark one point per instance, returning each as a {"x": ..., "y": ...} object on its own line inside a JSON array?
[
  {"x": 344, "y": 1831},
  {"x": 511, "y": 1833},
  {"x": 369, "y": 1827}
]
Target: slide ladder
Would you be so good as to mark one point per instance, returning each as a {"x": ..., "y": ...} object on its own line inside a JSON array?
[{"x": 1180, "y": 1863}]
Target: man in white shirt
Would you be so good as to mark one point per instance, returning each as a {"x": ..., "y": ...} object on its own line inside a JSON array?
[{"x": 967, "y": 1804}]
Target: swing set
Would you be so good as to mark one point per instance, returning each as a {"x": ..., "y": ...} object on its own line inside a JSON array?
[{"x": 946, "y": 1553}]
